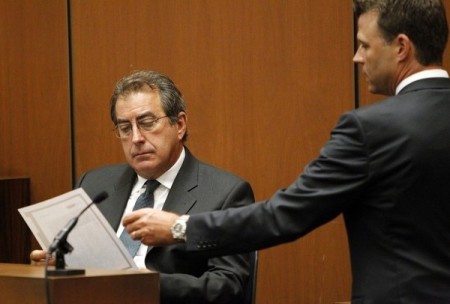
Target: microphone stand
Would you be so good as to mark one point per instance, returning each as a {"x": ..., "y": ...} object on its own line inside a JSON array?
[
  {"x": 60, "y": 245},
  {"x": 60, "y": 267}
]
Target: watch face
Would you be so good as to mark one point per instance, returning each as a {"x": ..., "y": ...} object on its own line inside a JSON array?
[{"x": 177, "y": 228}]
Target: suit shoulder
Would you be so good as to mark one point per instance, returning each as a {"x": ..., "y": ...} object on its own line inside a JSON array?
[
  {"x": 108, "y": 169},
  {"x": 105, "y": 174},
  {"x": 214, "y": 172}
]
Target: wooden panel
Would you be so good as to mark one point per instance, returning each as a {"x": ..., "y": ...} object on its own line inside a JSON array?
[
  {"x": 264, "y": 80},
  {"x": 15, "y": 236},
  {"x": 34, "y": 95},
  {"x": 28, "y": 284}
]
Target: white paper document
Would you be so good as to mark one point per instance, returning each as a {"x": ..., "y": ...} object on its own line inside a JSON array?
[{"x": 95, "y": 243}]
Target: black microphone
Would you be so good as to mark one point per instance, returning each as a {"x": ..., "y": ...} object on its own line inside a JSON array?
[{"x": 62, "y": 234}]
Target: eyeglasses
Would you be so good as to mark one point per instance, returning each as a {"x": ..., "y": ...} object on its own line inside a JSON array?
[{"x": 125, "y": 129}]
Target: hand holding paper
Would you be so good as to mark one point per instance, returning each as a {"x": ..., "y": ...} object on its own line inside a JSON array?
[{"x": 94, "y": 241}]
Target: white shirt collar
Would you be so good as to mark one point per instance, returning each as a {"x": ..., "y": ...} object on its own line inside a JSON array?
[{"x": 433, "y": 73}]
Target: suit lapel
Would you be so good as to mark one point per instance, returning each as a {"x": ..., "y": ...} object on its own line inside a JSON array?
[
  {"x": 181, "y": 198},
  {"x": 120, "y": 192}
]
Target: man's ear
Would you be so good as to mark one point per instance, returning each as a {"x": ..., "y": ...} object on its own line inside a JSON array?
[
  {"x": 405, "y": 47},
  {"x": 182, "y": 124}
]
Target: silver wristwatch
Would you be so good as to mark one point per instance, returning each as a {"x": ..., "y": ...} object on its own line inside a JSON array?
[{"x": 179, "y": 228}]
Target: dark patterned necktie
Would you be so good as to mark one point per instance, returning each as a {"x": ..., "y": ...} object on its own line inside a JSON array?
[{"x": 145, "y": 200}]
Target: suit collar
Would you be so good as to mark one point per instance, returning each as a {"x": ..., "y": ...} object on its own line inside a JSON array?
[
  {"x": 428, "y": 73},
  {"x": 167, "y": 178},
  {"x": 118, "y": 198},
  {"x": 426, "y": 84},
  {"x": 181, "y": 197}
]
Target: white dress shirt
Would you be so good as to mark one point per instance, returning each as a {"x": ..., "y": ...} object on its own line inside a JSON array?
[{"x": 160, "y": 196}]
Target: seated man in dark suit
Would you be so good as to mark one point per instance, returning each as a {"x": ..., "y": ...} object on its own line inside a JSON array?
[{"x": 150, "y": 120}]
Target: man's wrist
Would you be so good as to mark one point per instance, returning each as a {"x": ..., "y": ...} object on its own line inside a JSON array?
[{"x": 178, "y": 229}]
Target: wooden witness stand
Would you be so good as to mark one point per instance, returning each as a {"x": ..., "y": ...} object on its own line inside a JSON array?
[{"x": 21, "y": 283}]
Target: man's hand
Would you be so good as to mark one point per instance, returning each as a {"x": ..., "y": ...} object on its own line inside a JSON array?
[
  {"x": 37, "y": 258},
  {"x": 152, "y": 227}
]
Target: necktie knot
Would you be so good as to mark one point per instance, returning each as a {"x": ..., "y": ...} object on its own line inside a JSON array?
[
  {"x": 146, "y": 199},
  {"x": 151, "y": 185}
]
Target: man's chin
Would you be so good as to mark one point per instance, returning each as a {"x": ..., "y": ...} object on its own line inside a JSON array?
[
  {"x": 378, "y": 91},
  {"x": 373, "y": 89}
]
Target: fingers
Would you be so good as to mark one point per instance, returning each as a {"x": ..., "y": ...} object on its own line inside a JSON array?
[
  {"x": 135, "y": 236},
  {"x": 133, "y": 222},
  {"x": 135, "y": 215},
  {"x": 151, "y": 227},
  {"x": 37, "y": 257}
]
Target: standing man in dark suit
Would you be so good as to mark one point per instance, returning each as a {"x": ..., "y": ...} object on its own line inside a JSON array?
[
  {"x": 386, "y": 167},
  {"x": 150, "y": 120}
]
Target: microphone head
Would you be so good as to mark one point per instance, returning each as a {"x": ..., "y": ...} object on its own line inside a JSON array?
[{"x": 100, "y": 197}]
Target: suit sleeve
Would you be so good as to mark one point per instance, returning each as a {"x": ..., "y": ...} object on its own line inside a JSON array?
[
  {"x": 328, "y": 185},
  {"x": 226, "y": 277}
]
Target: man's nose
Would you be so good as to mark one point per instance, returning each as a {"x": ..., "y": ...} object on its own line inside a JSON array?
[
  {"x": 357, "y": 58},
  {"x": 136, "y": 134}
]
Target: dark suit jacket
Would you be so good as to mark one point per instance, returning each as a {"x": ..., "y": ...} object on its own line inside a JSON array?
[
  {"x": 386, "y": 167},
  {"x": 185, "y": 278}
]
